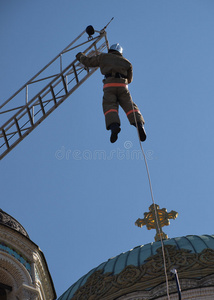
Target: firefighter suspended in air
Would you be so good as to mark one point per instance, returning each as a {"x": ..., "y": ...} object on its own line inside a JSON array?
[{"x": 118, "y": 74}]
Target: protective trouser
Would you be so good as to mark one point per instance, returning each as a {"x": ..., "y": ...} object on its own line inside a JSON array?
[{"x": 116, "y": 94}]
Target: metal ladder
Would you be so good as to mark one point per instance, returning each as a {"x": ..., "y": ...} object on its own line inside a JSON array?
[{"x": 52, "y": 85}]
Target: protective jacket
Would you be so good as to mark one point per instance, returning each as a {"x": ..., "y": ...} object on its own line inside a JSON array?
[
  {"x": 118, "y": 74},
  {"x": 109, "y": 63}
]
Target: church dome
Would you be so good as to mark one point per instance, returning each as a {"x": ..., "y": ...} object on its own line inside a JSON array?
[
  {"x": 24, "y": 272},
  {"x": 9, "y": 221},
  {"x": 141, "y": 268}
]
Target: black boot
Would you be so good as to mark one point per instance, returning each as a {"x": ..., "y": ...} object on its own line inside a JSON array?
[
  {"x": 115, "y": 129},
  {"x": 141, "y": 131}
]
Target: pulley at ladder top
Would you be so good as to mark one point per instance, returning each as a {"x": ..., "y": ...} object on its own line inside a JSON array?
[{"x": 90, "y": 30}]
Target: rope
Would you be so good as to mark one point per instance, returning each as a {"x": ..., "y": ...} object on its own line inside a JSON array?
[{"x": 150, "y": 186}]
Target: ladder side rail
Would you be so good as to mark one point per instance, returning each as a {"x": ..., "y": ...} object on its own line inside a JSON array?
[
  {"x": 30, "y": 104},
  {"x": 90, "y": 40},
  {"x": 60, "y": 55},
  {"x": 44, "y": 78},
  {"x": 40, "y": 120},
  {"x": 58, "y": 100},
  {"x": 30, "y": 129},
  {"x": 19, "y": 107},
  {"x": 72, "y": 68},
  {"x": 9, "y": 110},
  {"x": 91, "y": 71},
  {"x": 42, "y": 70},
  {"x": 44, "y": 91},
  {"x": 31, "y": 81},
  {"x": 26, "y": 110},
  {"x": 64, "y": 51},
  {"x": 52, "y": 82},
  {"x": 36, "y": 96},
  {"x": 106, "y": 40}
]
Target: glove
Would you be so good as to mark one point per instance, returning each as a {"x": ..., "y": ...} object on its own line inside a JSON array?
[{"x": 79, "y": 55}]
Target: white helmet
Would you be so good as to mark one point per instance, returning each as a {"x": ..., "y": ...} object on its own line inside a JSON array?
[{"x": 116, "y": 47}]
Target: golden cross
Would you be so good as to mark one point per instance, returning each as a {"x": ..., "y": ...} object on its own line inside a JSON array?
[{"x": 155, "y": 219}]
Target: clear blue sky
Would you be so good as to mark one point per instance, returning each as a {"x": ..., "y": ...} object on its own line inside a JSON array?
[{"x": 82, "y": 211}]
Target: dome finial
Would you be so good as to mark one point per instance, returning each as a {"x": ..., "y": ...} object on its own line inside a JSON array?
[{"x": 156, "y": 219}]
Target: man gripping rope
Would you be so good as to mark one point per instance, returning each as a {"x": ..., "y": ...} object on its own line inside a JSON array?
[{"x": 118, "y": 74}]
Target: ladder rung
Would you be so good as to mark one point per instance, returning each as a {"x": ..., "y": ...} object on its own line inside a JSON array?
[
  {"x": 42, "y": 106},
  {"x": 53, "y": 95},
  {"x": 30, "y": 117},
  {"x": 18, "y": 128},
  {"x": 75, "y": 73},
  {"x": 5, "y": 138},
  {"x": 64, "y": 83}
]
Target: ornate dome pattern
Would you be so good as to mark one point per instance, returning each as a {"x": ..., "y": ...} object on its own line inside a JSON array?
[
  {"x": 9, "y": 221},
  {"x": 191, "y": 247}
]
